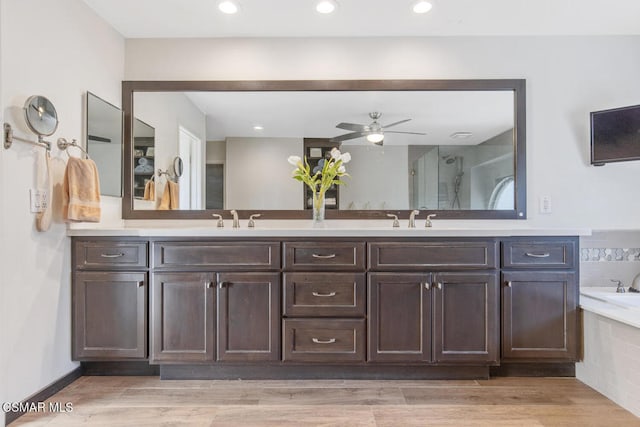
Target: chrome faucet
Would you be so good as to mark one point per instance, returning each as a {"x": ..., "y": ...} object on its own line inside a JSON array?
[
  {"x": 429, "y": 223},
  {"x": 236, "y": 221},
  {"x": 396, "y": 223},
  {"x": 252, "y": 221},
  {"x": 620, "y": 289},
  {"x": 220, "y": 220},
  {"x": 635, "y": 285},
  {"x": 412, "y": 218}
]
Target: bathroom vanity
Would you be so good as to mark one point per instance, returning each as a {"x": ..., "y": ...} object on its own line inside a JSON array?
[{"x": 325, "y": 304}]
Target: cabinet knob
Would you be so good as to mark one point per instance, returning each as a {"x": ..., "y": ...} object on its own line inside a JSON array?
[
  {"x": 509, "y": 284},
  {"x": 427, "y": 285},
  {"x": 222, "y": 284},
  {"x": 140, "y": 284},
  {"x": 439, "y": 286},
  {"x": 209, "y": 285}
]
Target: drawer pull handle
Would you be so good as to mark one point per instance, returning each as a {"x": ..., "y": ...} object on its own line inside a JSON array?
[
  {"x": 119, "y": 255},
  {"x": 542, "y": 255},
  {"x": 324, "y": 256},
  {"x": 318, "y": 294},
  {"x": 319, "y": 341}
]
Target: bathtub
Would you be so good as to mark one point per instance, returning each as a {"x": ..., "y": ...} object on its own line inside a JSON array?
[
  {"x": 604, "y": 301},
  {"x": 611, "y": 345}
]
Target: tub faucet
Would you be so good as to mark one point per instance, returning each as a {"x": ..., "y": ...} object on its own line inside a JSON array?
[
  {"x": 620, "y": 289},
  {"x": 412, "y": 218},
  {"x": 236, "y": 221},
  {"x": 635, "y": 285}
]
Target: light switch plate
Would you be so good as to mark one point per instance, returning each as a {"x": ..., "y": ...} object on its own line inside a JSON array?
[
  {"x": 545, "y": 204},
  {"x": 39, "y": 200}
]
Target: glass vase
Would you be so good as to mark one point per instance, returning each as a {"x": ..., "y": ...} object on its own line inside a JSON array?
[{"x": 318, "y": 207}]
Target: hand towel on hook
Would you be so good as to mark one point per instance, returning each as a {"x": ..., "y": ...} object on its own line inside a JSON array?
[{"x": 81, "y": 191}]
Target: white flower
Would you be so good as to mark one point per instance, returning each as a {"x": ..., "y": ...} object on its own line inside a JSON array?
[
  {"x": 345, "y": 157},
  {"x": 294, "y": 160},
  {"x": 342, "y": 169},
  {"x": 335, "y": 153}
]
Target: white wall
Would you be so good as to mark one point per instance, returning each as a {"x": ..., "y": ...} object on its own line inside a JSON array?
[
  {"x": 58, "y": 49},
  {"x": 257, "y": 180},
  {"x": 566, "y": 78}
]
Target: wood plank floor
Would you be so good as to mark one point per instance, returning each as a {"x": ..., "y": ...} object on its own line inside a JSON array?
[{"x": 147, "y": 401}]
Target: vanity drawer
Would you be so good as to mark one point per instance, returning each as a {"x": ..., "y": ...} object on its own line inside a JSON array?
[
  {"x": 323, "y": 340},
  {"x": 325, "y": 256},
  {"x": 324, "y": 294},
  {"x": 475, "y": 254},
  {"x": 96, "y": 255},
  {"x": 218, "y": 256},
  {"x": 543, "y": 253}
]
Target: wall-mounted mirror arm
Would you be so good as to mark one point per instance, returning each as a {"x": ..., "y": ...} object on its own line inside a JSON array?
[{"x": 9, "y": 137}]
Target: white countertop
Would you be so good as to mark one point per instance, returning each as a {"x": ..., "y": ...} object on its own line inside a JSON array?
[
  {"x": 306, "y": 228},
  {"x": 604, "y": 301}
]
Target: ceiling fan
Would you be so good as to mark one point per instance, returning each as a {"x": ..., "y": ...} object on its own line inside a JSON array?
[{"x": 374, "y": 132}]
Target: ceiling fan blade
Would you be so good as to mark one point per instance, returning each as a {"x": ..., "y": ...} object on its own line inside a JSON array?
[
  {"x": 410, "y": 133},
  {"x": 395, "y": 123},
  {"x": 352, "y": 126},
  {"x": 347, "y": 136}
]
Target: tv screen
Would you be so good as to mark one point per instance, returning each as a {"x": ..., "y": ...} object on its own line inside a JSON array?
[{"x": 615, "y": 135}]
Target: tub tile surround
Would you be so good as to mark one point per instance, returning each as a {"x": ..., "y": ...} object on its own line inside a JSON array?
[{"x": 611, "y": 331}]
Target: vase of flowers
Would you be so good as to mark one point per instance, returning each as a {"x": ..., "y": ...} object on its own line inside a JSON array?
[{"x": 321, "y": 177}]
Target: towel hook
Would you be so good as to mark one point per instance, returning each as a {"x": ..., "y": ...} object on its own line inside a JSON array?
[{"x": 64, "y": 145}]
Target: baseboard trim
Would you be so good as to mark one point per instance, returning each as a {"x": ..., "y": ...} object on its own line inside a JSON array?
[
  {"x": 124, "y": 368},
  {"x": 45, "y": 393},
  {"x": 295, "y": 372},
  {"x": 534, "y": 370}
]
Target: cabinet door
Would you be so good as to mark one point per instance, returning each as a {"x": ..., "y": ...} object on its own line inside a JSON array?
[
  {"x": 248, "y": 316},
  {"x": 183, "y": 318},
  {"x": 399, "y": 327},
  {"x": 109, "y": 315},
  {"x": 466, "y": 317},
  {"x": 539, "y": 315}
]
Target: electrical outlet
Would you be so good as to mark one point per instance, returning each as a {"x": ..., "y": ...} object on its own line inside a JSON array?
[
  {"x": 39, "y": 200},
  {"x": 545, "y": 204}
]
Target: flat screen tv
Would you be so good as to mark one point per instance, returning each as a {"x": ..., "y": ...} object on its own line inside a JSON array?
[{"x": 615, "y": 135}]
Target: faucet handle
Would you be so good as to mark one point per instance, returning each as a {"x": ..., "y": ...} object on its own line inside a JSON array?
[
  {"x": 220, "y": 223},
  {"x": 252, "y": 222},
  {"x": 396, "y": 223},
  {"x": 429, "y": 223},
  {"x": 620, "y": 289}
]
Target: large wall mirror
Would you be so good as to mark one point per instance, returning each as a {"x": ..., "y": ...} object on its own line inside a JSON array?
[{"x": 451, "y": 147}]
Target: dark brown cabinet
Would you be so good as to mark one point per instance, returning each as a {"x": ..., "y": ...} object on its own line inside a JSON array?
[
  {"x": 399, "y": 327},
  {"x": 539, "y": 315},
  {"x": 466, "y": 325},
  {"x": 248, "y": 317},
  {"x": 434, "y": 317},
  {"x": 183, "y": 317},
  {"x": 109, "y": 315}
]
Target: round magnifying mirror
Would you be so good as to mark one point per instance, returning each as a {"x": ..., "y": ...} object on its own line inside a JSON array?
[
  {"x": 177, "y": 166},
  {"x": 40, "y": 115}
]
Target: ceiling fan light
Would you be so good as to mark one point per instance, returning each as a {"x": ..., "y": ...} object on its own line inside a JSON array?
[
  {"x": 375, "y": 137},
  {"x": 422, "y": 7},
  {"x": 326, "y": 6},
  {"x": 228, "y": 7}
]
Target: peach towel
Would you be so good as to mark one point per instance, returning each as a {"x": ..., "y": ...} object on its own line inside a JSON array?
[
  {"x": 149, "y": 190},
  {"x": 81, "y": 191},
  {"x": 170, "y": 198}
]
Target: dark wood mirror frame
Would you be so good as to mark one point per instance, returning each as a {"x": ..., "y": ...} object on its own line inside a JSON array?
[{"x": 517, "y": 86}]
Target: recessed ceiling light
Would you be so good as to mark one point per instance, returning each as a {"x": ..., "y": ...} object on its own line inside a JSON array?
[
  {"x": 461, "y": 135},
  {"x": 228, "y": 7},
  {"x": 326, "y": 6},
  {"x": 258, "y": 127},
  {"x": 422, "y": 6}
]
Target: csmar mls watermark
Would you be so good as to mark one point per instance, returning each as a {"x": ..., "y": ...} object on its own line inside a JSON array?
[{"x": 29, "y": 407}]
